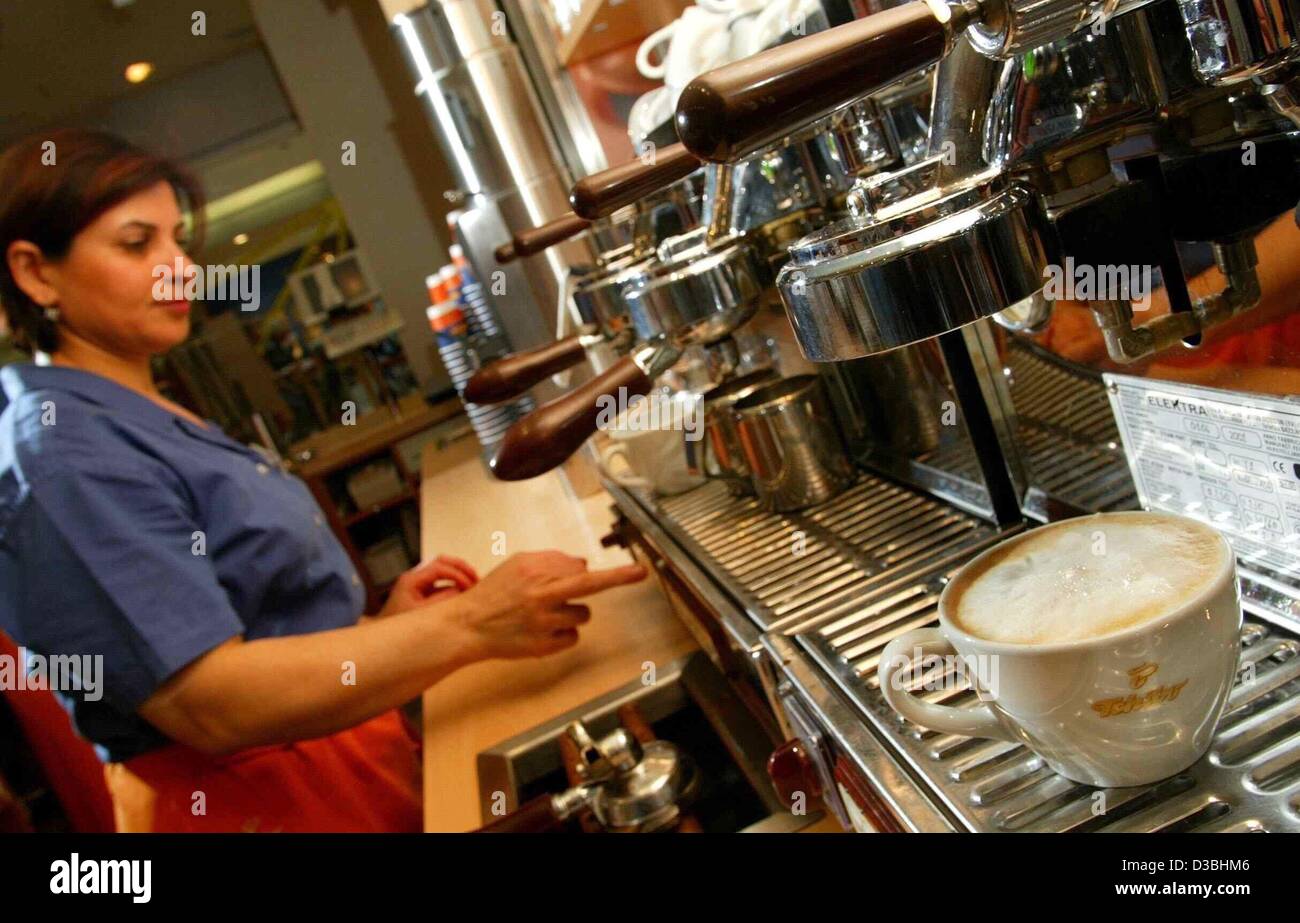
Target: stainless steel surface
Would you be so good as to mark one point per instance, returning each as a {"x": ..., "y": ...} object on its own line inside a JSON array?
[
  {"x": 788, "y": 568},
  {"x": 1065, "y": 432},
  {"x": 891, "y": 402},
  {"x": 471, "y": 76},
  {"x": 575, "y": 134},
  {"x": 1248, "y": 782},
  {"x": 806, "y": 690},
  {"x": 652, "y": 793},
  {"x": 828, "y": 623},
  {"x": 719, "y": 440},
  {"x": 628, "y": 785},
  {"x": 514, "y": 765},
  {"x": 791, "y": 443},
  {"x": 480, "y": 228},
  {"x": 1012, "y": 26},
  {"x": 696, "y": 296},
  {"x": 496, "y": 139},
  {"x": 919, "y": 268},
  {"x": 1233, "y": 40},
  {"x": 1082, "y": 85}
]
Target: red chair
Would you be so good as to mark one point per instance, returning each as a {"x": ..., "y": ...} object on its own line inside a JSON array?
[{"x": 69, "y": 763}]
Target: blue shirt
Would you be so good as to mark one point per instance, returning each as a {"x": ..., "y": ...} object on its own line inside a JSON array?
[{"x": 132, "y": 533}]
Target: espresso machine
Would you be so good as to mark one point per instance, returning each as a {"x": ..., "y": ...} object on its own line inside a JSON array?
[
  {"x": 696, "y": 287},
  {"x": 1158, "y": 137},
  {"x": 1143, "y": 153}
]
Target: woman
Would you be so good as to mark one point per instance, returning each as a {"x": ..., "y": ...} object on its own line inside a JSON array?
[{"x": 241, "y": 689}]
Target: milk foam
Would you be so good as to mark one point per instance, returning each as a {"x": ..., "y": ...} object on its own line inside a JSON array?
[{"x": 1089, "y": 577}]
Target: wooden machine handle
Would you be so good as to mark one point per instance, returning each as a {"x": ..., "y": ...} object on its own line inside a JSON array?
[
  {"x": 505, "y": 253},
  {"x": 510, "y": 376},
  {"x": 542, "y": 237},
  {"x": 737, "y": 110},
  {"x": 535, "y": 816},
  {"x": 604, "y": 193},
  {"x": 551, "y": 433}
]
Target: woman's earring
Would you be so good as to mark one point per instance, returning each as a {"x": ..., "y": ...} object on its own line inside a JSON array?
[{"x": 52, "y": 314}]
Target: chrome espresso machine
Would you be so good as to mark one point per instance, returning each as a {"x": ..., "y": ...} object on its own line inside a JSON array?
[{"x": 1072, "y": 294}]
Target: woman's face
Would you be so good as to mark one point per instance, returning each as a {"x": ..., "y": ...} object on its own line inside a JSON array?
[{"x": 107, "y": 283}]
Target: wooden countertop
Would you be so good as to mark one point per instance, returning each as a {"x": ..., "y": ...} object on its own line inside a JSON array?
[{"x": 463, "y": 511}]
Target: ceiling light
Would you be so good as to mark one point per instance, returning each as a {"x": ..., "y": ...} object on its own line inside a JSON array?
[
  {"x": 139, "y": 71},
  {"x": 240, "y": 239}
]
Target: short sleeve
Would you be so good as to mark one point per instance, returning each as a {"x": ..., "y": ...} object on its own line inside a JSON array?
[{"x": 113, "y": 563}]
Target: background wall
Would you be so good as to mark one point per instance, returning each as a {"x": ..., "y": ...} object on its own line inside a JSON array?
[{"x": 343, "y": 75}]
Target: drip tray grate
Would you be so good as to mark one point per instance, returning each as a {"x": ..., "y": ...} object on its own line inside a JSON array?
[{"x": 845, "y": 578}]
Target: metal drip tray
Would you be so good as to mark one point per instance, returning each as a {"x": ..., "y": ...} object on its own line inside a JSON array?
[
  {"x": 1250, "y": 780},
  {"x": 822, "y": 563},
  {"x": 873, "y": 563}
]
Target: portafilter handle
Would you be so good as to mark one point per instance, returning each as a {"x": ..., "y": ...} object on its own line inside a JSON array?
[
  {"x": 534, "y": 240},
  {"x": 509, "y": 377},
  {"x": 603, "y": 193},
  {"x": 551, "y": 433},
  {"x": 737, "y": 110}
]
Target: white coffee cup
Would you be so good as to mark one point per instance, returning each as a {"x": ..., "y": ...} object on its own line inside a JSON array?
[
  {"x": 688, "y": 46},
  {"x": 650, "y": 110},
  {"x": 649, "y": 457},
  {"x": 1124, "y": 707}
]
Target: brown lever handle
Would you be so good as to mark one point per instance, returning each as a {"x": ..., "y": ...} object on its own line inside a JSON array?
[
  {"x": 604, "y": 193},
  {"x": 510, "y": 376},
  {"x": 551, "y": 433},
  {"x": 535, "y": 240},
  {"x": 737, "y": 110},
  {"x": 536, "y": 816}
]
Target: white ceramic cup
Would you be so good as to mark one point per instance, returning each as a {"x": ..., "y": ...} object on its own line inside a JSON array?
[
  {"x": 649, "y": 111},
  {"x": 652, "y": 459},
  {"x": 1127, "y": 708},
  {"x": 685, "y": 48}
]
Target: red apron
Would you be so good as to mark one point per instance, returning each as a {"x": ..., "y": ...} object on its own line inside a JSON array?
[{"x": 362, "y": 780}]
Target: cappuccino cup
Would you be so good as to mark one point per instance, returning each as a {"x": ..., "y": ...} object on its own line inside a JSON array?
[
  {"x": 645, "y": 447},
  {"x": 1107, "y": 644}
]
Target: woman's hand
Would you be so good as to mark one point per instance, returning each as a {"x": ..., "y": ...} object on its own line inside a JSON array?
[
  {"x": 435, "y": 580},
  {"x": 523, "y": 608}
]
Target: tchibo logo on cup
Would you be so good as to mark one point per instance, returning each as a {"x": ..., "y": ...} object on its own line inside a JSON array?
[{"x": 103, "y": 876}]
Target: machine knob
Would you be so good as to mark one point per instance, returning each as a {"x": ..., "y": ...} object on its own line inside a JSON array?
[{"x": 792, "y": 770}]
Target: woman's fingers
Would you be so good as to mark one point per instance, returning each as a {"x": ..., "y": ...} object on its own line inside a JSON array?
[
  {"x": 469, "y": 573},
  {"x": 424, "y": 578},
  {"x": 589, "y": 582}
]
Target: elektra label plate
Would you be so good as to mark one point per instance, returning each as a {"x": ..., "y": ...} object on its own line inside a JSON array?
[{"x": 1225, "y": 457}]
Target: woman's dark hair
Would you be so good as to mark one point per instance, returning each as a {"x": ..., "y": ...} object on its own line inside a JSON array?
[{"x": 54, "y": 184}]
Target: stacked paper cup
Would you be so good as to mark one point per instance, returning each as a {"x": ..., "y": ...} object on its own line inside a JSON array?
[{"x": 454, "y": 322}]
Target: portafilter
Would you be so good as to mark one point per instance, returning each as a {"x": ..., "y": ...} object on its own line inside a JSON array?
[
  {"x": 697, "y": 296},
  {"x": 621, "y": 239}
]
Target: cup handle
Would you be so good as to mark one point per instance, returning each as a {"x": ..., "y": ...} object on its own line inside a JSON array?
[
  {"x": 648, "y": 46},
  {"x": 897, "y": 657},
  {"x": 607, "y": 456}
]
